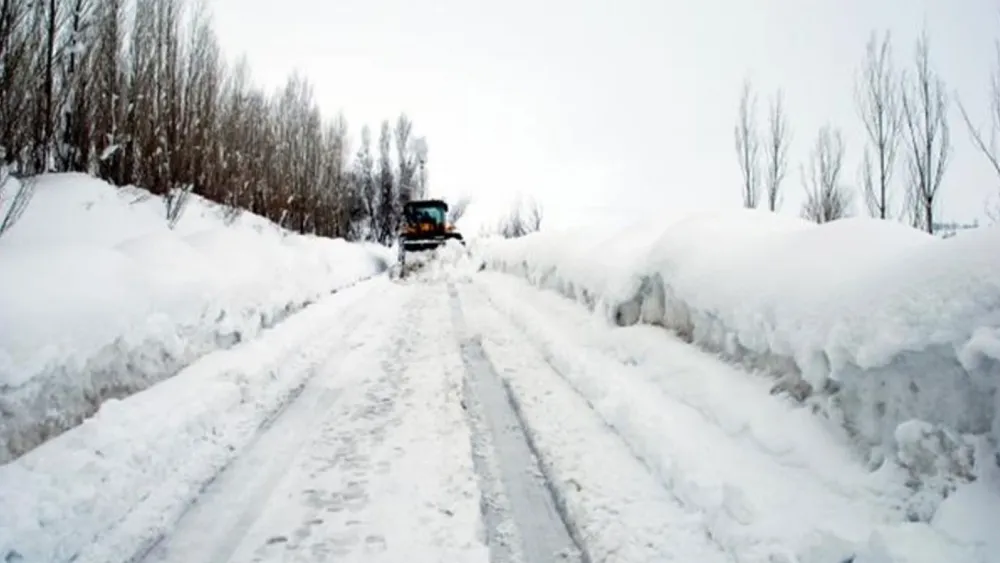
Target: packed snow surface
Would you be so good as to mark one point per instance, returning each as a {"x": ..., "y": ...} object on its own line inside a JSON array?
[
  {"x": 344, "y": 433},
  {"x": 694, "y": 457},
  {"x": 878, "y": 324},
  {"x": 109, "y": 488},
  {"x": 100, "y": 298}
]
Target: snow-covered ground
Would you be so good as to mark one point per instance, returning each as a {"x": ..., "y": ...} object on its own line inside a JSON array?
[
  {"x": 891, "y": 333},
  {"x": 99, "y": 298},
  {"x": 340, "y": 433},
  {"x": 462, "y": 415},
  {"x": 112, "y": 486},
  {"x": 694, "y": 457}
]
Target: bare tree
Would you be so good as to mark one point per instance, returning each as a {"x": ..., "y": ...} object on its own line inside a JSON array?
[
  {"x": 748, "y": 146},
  {"x": 826, "y": 198},
  {"x": 138, "y": 92},
  {"x": 776, "y": 151},
  {"x": 418, "y": 146},
  {"x": 335, "y": 185},
  {"x": 200, "y": 123},
  {"x": 49, "y": 24},
  {"x": 877, "y": 94},
  {"x": 75, "y": 115},
  {"x": 925, "y": 107},
  {"x": 407, "y": 168},
  {"x": 364, "y": 176},
  {"x": 109, "y": 91},
  {"x": 388, "y": 211},
  {"x": 17, "y": 80},
  {"x": 989, "y": 148}
]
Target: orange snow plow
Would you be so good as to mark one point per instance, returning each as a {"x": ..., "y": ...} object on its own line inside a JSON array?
[{"x": 426, "y": 226}]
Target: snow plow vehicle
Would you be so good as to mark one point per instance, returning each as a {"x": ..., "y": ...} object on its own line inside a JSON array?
[{"x": 425, "y": 228}]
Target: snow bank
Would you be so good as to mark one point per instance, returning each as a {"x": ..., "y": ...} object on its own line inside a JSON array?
[
  {"x": 100, "y": 298},
  {"x": 108, "y": 489},
  {"x": 565, "y": 261},
  {"x": 874, "y": 322}
]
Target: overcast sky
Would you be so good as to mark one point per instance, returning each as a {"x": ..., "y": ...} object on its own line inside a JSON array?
[{"x": 611, "y": 107}]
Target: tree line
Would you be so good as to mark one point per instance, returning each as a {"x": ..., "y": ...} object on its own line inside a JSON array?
[
  {"x": 904, "y": 113},
  {"x": 138, "y": 92}
]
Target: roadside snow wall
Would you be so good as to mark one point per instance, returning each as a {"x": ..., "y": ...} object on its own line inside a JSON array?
[
  {"x": 99, "y": 298},
  {"x": 893, "y": 333}
]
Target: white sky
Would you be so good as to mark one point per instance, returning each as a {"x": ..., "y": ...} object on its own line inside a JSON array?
[{"x": 614, "y": 107}]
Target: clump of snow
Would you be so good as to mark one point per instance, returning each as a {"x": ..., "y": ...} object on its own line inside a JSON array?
[
  {"x": 877, "y": 324},
  {"x": 101, "y": 298},
  {"x": 451, "y": 261}
]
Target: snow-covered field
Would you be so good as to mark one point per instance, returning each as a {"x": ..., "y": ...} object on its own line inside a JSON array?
[
  {"x": 892, "y": 333},
  {"x": 99, "y": 298}
]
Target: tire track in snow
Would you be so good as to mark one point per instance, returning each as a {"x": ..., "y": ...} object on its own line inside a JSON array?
[
  {"x": 523, "y": 520},
  {"x": 753, "y": 502},
  {"x": 386, "y": 473},
  {"x": 614, "y": 505},
  {"x": 215, "y": 524},
  {"x": 223, "y": 403}
]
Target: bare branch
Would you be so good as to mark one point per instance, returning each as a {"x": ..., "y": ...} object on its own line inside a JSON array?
[{"x": 989, "y": 149}]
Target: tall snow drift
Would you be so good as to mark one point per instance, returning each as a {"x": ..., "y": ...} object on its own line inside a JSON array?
[
  {"x": 99, "y": 298},
  {"x": 879, "y": 324}
]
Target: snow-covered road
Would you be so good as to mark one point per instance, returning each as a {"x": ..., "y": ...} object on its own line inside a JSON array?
[
  {"x": 371, "y": 463},
  {"x": 461, "y": 417}
]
